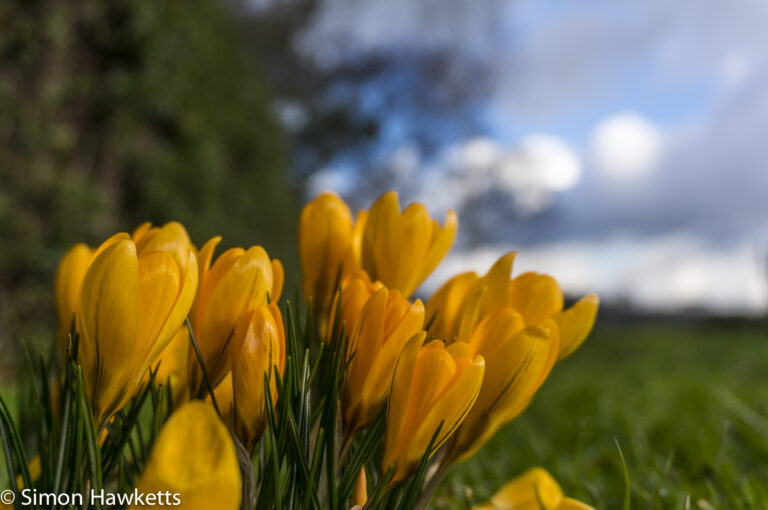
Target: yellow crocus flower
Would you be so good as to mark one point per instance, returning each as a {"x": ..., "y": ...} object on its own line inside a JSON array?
[
  {"x": 194, "y": 457},
  {"x": 402, "y": 249},
  {"x": 385, "y": 324},
  {"x": 67, "y": 285},
  {"x": 326, "y": 247},
  {"x": 518, "y": 359},
  {"x": 533, "y": 490},
  {"x": 356, "y": 290},
  {"x": 131, "y": 306},
  {"x": 237, "y": 282},
  {"x": 432, "y": 385},
  {"x": 172, "y": 362},
  {"x": 260, "y": 350},
  {"x": 467, "y": 298}
]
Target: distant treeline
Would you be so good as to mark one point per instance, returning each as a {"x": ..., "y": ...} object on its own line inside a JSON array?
[{"x": 113, "y": 113}]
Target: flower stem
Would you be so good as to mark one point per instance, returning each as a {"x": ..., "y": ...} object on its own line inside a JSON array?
[{"x": 432, "y": 484}]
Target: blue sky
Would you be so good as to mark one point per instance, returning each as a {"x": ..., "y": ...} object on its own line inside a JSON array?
[{"x": 660, "y": 110}]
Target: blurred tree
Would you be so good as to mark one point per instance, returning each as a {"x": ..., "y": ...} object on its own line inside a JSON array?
[{"x": 113, "y": 113}]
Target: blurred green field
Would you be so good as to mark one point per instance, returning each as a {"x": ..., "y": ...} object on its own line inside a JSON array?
[{"x": 687, "y": 403}]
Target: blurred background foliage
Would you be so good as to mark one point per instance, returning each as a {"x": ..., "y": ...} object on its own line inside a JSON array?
[{"x": 114, "y": 113}]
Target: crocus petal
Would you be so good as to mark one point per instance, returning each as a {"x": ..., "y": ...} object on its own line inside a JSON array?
[
  {"x": 380, "y": 236},
  {"x": 278, "y": 275},
  {"x": 357, "y": 238},
  {"x": 159, "y": 285},
  {"x": 213, "y": 277},
  {"x": 108, "y": 323},
  {"x": 572, "y": 504},
  {"x": 360, "y": 493},
  {"x": 356, "y": 290},
  {"x": 451, "y": 408},
  {"x": 401, "y": 389},
  {"x": 69, "y": 280},
  {"x": 171, "y": 238},
  {"x": 442, "y": 240},
  {"x": 122, "y": 236},
  {"x": 576, "y": 323},
  {"x": 434, "y": 371},
  {"x": 194, "y": 456},
  {"x": 529, "y": 491},
  {"x": 180, "y": 309},
  {"x": 445, "y": 307},
  {"x": 494, "y": 331},
  {"x": 140, "y": 232},
  {"x": 204, "y": 259},
  {"x": 379, "y": 377},
  {"x": 415, "y": 232},
  {"x": 536, "y": 297},
  {"x": 510, "y": 379},
  {"x": 496, "y": 282},
  {"x": 365, "y": 341}
]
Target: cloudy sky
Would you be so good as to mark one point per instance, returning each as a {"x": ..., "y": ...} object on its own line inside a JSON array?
[{"x": 620, "y": 146}]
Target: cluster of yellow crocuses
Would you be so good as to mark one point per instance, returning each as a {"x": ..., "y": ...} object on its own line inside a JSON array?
[
  {"x": 492, "y": 339},
  {"x": 449, "y": 372}
]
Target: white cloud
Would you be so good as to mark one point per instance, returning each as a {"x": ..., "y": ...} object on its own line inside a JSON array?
[
  {"x": 529, "y": 172},
  {"x": 662, "y": 274},
  {"x": 546, "y": 160},
  {"x": 626, "y": 146}
]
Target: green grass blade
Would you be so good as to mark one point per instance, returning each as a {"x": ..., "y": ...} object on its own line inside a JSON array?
[
  {"x": 9, "y": 455},
  {"x": 627, "y": 491},
  {"x": 92, "y": 445},
  {"x": 18, "y": 447},
  {"x": 64, "y": 439},
  {"x": 202, "y": 366}
]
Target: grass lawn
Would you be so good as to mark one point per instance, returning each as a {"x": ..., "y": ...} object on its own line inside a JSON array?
[{"x": 687, "y": 403}]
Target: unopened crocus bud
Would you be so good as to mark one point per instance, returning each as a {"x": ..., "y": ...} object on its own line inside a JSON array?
[
  {"x": 259, "y": 351},
  {"x": 131, "y": 306},
  {"x": 239, "y": 280},
  {"x": 326, "y": 246},
  {"x": 67, "y": 285}
]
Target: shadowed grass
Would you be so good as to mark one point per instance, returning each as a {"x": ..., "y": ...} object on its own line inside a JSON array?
[{"x": 688, "y": 405}]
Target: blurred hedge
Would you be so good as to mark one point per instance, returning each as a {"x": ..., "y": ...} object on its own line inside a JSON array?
[{"x": 112, "y": 113}]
